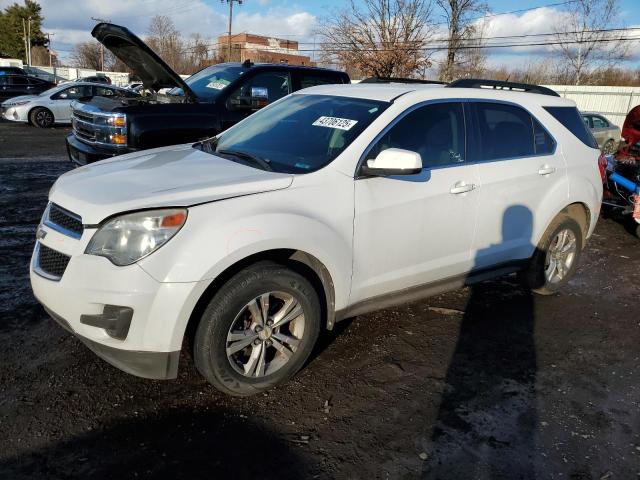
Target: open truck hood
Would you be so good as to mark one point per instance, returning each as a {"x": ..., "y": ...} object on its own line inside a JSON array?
[{"x": 145, "y": 63}]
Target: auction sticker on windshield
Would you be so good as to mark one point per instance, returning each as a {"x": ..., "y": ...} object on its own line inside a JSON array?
[
  {"x": 335, "y": 122},
  {"x": 216, "y": 85}
]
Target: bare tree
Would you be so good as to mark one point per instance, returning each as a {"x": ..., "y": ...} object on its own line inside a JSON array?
[
  {"x": 87, "y": 55},
  {"x": 382, "y": 38},
  {"x": 163, "y": 37},
  {"x": 583, "y": 43},
  {"x": 458, "y": 16},
  {"x": 471, "y": 58}
]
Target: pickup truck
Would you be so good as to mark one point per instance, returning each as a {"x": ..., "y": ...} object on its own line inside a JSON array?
[{"x": 199, "y": 107}]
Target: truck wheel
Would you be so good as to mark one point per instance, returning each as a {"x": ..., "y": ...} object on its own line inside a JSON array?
[
  {"x": 556, "y": 258},
  {"x": 258, "y": 330},
  {"x": 609, "y": 148},
  {"x": 41, "y": 117}
]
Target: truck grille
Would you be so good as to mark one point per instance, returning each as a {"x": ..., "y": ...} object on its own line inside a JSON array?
[
  {"x": 63, "y": 221},
  {"x": 84, "y": 131},
  {"x": 50, "y": 263},
  {"x": 96, "y": 127}
]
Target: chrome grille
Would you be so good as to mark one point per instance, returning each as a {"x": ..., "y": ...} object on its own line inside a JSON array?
[
  {"x": 83, "y": 130},
  {"x": 63, "y": 221},
  {"x": 50, "y": 263}
]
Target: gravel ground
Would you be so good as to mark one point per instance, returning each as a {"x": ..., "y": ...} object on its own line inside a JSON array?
[{"x": 486, "y": 382}]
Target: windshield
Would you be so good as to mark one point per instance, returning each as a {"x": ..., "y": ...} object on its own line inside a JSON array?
[
  {"x": 301, "y": 133},
  {"x": 208, "y": 83},
  {"x": 53, "y": 90}
]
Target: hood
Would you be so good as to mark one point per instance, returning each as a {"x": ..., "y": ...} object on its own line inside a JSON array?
[
  {"x": 21, "y": 98},
  {"x": 152, "y": 70},
  {"x": 177, "y": 176}
]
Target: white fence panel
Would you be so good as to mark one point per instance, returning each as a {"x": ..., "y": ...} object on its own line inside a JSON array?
[{"x": 612, "y": 102}]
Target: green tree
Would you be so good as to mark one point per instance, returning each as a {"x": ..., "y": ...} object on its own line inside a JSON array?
[{"x": 12, "y": 43}]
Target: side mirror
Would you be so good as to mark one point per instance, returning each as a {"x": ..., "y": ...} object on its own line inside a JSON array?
[
  {"x": 393, "y": 161},
  {"x": 259, "y": 97}
]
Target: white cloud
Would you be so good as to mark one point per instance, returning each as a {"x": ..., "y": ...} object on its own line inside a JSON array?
[{"x": 71, "y": 22}]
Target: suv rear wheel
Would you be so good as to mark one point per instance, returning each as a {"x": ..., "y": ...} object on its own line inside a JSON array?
[
  {"x": 258, "y": 330},
  {"x": 555, "y": 260}
]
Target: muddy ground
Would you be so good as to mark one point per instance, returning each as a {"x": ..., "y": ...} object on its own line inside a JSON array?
[{"x": 487, "y": 382}]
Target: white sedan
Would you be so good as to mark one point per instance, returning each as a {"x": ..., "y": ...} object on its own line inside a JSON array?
[{"x": 54, "y": 105}]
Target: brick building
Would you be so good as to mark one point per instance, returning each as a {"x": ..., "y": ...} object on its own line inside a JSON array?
[{"x": 260, "y": 49}]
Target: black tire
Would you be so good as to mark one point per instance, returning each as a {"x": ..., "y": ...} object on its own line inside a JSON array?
[
  {"x": 41, "y": 117},
  {"x": 534, "y": 276},
  {"x": 223, "y": 311},
  {"x": 609, "y": 148}
]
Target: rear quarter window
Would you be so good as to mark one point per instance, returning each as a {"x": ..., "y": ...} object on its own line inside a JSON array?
[{"x": 573, "y": 121}]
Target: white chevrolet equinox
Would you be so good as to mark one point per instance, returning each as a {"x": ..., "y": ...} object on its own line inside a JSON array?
[{"x": 329, "y": 203}]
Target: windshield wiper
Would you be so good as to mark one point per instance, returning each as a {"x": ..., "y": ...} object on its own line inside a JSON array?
[
  {"x": 261, "y": 162},
  {"x": 208, "y": 145}
]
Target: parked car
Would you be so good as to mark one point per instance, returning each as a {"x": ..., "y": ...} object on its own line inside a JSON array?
[
  {"x": 12, "y": 71},
  {"x": 334, "y": 201},
  {"x": 54, "y": 106},
  {"x": 12, "y": 85},
  {"x": 203, "y": 105},
  {"x": 606, "y": 133}
]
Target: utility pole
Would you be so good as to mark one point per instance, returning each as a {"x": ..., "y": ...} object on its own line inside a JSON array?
[
  {"x": 29, "y": 38},
  {"x": 49, "y": 47},
  {"x": 230, "y": 2},
  {"x": 101, "y": 20},
  {"x": 24, "y": 37}
]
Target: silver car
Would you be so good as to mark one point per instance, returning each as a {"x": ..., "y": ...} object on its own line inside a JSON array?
[
  {"x": 606, "y": 133},
  {"x": 54, "y": 105}
]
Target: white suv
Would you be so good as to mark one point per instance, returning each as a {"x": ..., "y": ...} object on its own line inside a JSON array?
[{"x": 329, "y": 203}]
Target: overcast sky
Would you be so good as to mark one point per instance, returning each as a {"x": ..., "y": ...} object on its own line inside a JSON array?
[{"x": 70, "y": 21}]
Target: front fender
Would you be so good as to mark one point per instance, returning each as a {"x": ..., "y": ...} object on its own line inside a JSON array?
[{"x": 220, "y": 234}]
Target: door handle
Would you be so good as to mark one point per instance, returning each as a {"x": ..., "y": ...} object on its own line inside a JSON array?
[
  {"x": 546, "y": 170},
  {"x": 462, "y": 187}
]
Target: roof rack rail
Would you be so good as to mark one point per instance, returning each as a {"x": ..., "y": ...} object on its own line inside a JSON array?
[
  {"x": 500, "y": 85},
  {"x": 400, "y": 80}
]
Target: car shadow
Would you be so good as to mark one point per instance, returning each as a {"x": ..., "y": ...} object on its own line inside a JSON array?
[
  {"x": 173, "y": 444},
  {"x": 487, "y": 419}
]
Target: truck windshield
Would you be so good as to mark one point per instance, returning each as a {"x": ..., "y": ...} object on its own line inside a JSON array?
[
  {"x": 208, "y": 83},
  {"x": 301, "y": 133}
]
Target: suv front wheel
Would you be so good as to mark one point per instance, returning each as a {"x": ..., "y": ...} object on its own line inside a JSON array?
[
  {"x": 258, "y": 330},
  {"x": 555, "y": 260}
]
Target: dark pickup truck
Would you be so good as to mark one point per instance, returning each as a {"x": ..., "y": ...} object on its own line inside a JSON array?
[{"x": 199, "y": 107}]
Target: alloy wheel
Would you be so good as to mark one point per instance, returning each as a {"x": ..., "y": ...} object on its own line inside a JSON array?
[
  {"x": 560, "y": 256},
  {"x": 44, "y": 118},
  {"x": 265, "y": 334}
]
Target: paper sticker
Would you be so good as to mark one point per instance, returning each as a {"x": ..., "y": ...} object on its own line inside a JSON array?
[
  {"x": 216, "y": 85},
  {"x": 334, "y": 122}
]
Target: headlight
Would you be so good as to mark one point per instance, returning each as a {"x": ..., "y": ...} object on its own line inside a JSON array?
[
  {"x": 128, "y": 238},
  {"x": 16, "y": 104}
]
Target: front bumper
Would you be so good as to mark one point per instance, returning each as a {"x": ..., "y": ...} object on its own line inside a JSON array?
[
  {"x": 13, "y": 114},
  {"x": 81, "y": 153},
  {"x": 154, "y": 365},
  {"x": 83, "y": 296}
]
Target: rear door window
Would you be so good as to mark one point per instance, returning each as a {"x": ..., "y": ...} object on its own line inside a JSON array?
[
  {"x": 503, "y": 131},
  {"x": 544, "y": 143},
  {"x": 18, "y": 81},
  {"x": 310, "y": 79},
  {"x": 599, "y": 122},
  {"x": 571, "y": 119}
]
